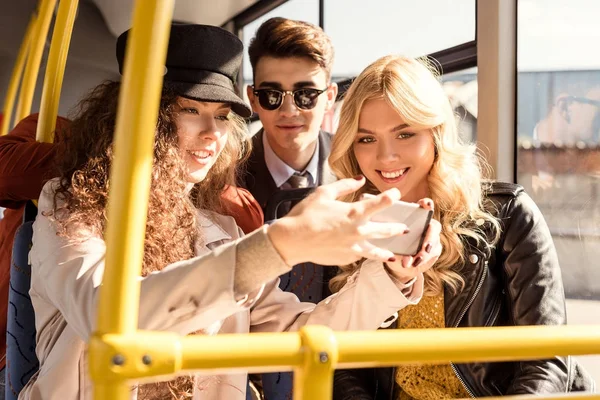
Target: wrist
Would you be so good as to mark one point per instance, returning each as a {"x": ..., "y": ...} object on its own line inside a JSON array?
[
  {"x": 280, "y": 233},
  {"x": 402, "y": 279}
]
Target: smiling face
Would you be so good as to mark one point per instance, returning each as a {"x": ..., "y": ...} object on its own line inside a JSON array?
[
  {"x": 202, "y": 130},
  {"x": 392, "y": 155},
  {"x": 290, "y": 129}
]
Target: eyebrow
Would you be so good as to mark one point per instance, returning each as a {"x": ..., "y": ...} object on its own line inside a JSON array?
[
  {"x": 395, "y": 129},
  {"x": 304, "y": 84},
  {"x": 224, "y": 106},
  {"x": 277, "y": 85}
]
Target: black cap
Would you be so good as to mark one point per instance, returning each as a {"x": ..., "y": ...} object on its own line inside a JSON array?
[{"x": 202, "y": 64}]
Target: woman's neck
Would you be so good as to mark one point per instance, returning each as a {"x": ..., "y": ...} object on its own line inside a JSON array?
[{"x": 416, "y": 194}]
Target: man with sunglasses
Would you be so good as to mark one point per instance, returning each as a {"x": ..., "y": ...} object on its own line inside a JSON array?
[
  {"x": 291, "y": 93},
  {"x": 291, "y": 63}
]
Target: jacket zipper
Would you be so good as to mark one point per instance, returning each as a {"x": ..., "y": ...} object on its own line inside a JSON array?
[
  {"x": 462, "y": 314},
  {"x": 462, "y": 381}
]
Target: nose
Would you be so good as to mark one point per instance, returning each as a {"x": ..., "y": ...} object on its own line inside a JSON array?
[
  {"x": 288, "y": 107},
  {"x": 210, "y": 130},
  {"x": 386, "y": 153}
]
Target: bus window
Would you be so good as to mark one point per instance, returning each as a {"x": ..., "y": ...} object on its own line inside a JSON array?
[
  {"x": 362, "y": 32},
  {"x": 461, "y": 88},
  {"x": 558, "y": 140}
]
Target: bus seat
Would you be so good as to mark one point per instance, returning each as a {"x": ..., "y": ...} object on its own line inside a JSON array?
[{"x": 21, "y": 359}]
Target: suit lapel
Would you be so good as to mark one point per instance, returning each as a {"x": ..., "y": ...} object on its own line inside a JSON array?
[
  {"x": 325, "y": 174},
  {"x": 257, "y": 178}
]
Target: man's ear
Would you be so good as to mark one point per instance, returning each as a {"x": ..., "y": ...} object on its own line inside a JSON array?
[
  {"x": 332, "y": 92},
  {"x": 251, "y": 97}
]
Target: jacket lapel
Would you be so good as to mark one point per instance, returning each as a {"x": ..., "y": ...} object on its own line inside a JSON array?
[
  {"x": 325, "y": 174},
  {"x": 213, "y": 235},
  {"x": 455, "y": 304},
  {"x": 257, "y": 178}
]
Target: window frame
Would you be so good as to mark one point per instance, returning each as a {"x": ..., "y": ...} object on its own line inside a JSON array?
[{"x": 453, "y": 59}]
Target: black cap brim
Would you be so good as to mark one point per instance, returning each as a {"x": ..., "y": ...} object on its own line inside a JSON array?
[{"x": 211, "y": 93}]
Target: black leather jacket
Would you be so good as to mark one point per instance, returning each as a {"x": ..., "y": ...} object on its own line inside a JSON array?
[{"x": 516, "y": 283}]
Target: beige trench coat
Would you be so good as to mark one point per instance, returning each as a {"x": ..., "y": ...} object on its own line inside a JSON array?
[{"x": 184, "y": 297}]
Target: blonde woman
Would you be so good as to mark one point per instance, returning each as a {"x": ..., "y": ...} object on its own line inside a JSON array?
[{"x": 498, "y": 266}]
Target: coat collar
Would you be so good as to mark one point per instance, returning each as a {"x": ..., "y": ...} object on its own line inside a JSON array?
[{"x": 212, "y": 233}]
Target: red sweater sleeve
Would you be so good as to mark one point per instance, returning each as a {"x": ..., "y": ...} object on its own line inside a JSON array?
[
  {"x": 242, "y": 206},
  {"x": 25, "y": 165}
]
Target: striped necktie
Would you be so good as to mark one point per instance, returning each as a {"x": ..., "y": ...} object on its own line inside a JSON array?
[{"x": 298, "y": 181}]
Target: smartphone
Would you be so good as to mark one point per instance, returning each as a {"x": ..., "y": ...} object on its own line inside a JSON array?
[{"x": 416, "y": 219}]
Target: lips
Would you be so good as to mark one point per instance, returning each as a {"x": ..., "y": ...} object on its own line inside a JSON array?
[
  {"x": 393, "y": 176},
  {"x": 290, "y": 126},
  {"x": 201, "y": 156}
]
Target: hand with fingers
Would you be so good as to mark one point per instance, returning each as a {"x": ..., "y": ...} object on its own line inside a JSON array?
[
  {"x": 323, "y": 230},
  {"x": 405, "y": 268}
]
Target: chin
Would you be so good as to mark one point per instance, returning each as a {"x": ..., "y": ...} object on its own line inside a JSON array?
[
  {"x": 196, "y": 177},
  {"x": 386, "y": 186},
  {"x": 303, "y": 141}
]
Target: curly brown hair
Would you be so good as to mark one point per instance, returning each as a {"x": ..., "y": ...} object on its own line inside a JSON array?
[{"x": 81, "y": 196}]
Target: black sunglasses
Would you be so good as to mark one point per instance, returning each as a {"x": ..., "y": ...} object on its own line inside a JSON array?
[{"x": 272, "y": 99}]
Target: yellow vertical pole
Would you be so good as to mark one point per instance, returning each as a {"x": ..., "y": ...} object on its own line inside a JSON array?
[
  {"x": 55, "y": 69},
  {"x": 34, "y": 58},
  {"x": 15, "y": 78},
  {"x": 137, "y": 114},
  {"x": 314, "y": 379}
]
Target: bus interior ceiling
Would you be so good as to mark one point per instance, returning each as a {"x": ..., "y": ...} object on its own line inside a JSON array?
[{"x": 91, "y": 57}]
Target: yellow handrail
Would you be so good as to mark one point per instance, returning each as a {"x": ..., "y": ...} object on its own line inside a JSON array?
[
  {"x": 55, "y": 69},
  {"x": 15, "y": 78},
  {"x": 284, "y": 351},
  {"x": 34, "y": 58},
  {"x": 130, "y": 181},
  {"x": 391, "y": 347},
  {"x": 321, "y": 350}
]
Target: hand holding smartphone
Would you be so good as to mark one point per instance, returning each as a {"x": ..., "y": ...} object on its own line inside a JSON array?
[{"x": 414, "y": 217}]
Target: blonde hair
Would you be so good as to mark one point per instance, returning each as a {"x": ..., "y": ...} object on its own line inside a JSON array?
[{"x": 456, "y": 186}]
